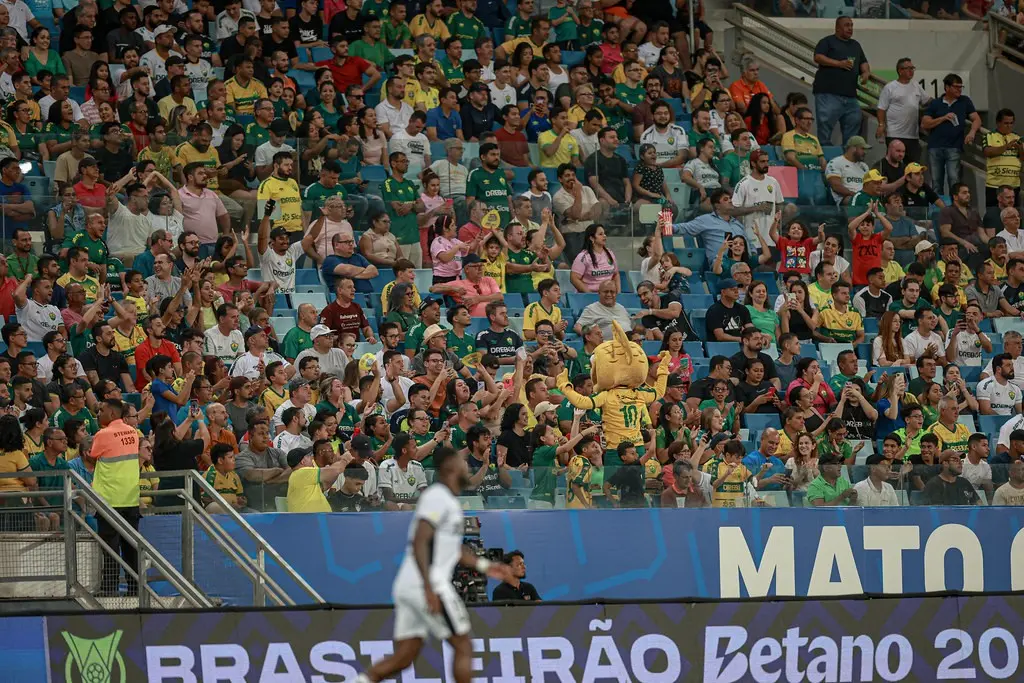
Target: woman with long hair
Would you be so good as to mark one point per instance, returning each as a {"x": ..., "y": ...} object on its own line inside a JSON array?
[
  {"x": 735, "y": 250},
  {"x": 224, "y": 248},
  {"x": 887, "y": 346},
  {"x": 327, "y": 108},
  {"x": 75, "y": 431},
  {"x": 400, "y": 307},
  {"x": 762, "y": 315},
  {"x": 100, "y": 71},
  {"x": 375, "y": 145},
  {"x": 797, "y": 315},
  {"x": 60, "y": 124},
  {"x": 801, "y": 398},
  {"x": 172, "y": 450},
  {"x": 320, "y": 145},
  {"x": 719, "y": 399},
  {"x": 733, "y": 122},
  {"x": 712, "y": 423},
  {"x": 209, "y": 300},
  {"x": 929, "y": 402},
  {"x": 165, "y": 214},
  {"x": 595, "y": 263},
  {"x": 808, "y": 374},
  {"x": 802, "y": 462},
  {"x": 378, "y": 244},
  {"x": 889, "y": 398},
  {"x": 238, "y": 158},
  {"x": 761, "y": 122},
  {"x": 513, "y": 445},
  {"x": 649, "y": 186},
  {"x": 67, "y": 216},
  {"x": 520, "y": 62},
  {"x": 41, "y": 57},
  {"x": 670, "y": 430},
  {"x": 593, "y": 62},
  {"x": 953, "y": 384},
  {"x": 179, "y": 122},
  {"x": 33, "y": 423},
  {"x": 435, "y": 206},
  {"x": 680, "y": 362}
]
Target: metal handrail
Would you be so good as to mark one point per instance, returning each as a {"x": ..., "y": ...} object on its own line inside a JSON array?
[
  {"x": 264, "y": 586},
  {"x": 146, "y": 552},
  {"x": 997, "y": 46}
]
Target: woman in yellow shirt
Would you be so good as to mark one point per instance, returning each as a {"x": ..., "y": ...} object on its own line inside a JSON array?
[
  {"x": 12, "y": 456},
  {"x": 35, "y": 423}
]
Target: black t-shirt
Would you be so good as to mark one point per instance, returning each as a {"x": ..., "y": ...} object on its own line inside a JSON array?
[
  {"x": 108, "y": 367},
  {"x": 518, "y": 451},
  {"x": 1015, "y": 295},
  {"x": 611, "y": 172},
  {"x": 671, "y": 83},
  {"x": 231, "y": 47},
  {"x": 746, "y": 393},
  {"x": 120, "y": 40},
  {"x": 629, "y": 481},
  {"x": 858, "y": 425},
  {"x": 306, "y": 31},
  {"x": 287, "y": 47},
  {"x": 491, "y": 484},
  {"x": 476, "y": 122},
  {"x": 874, "y": 306},
  {"x": 891, "y": 173},
  {"x": 740, "y": 362},
  {"x": 834, "y": 80},
  {"x": 666, "y": 325},
  {"x": 265, "y": 26},
  {"x": 344, "y": 502},
  {"x": 507, "y": 592},
  {"x": 701, "y": 389},
  {"x": 183, "y": 455},
  {"x": 208, "y": 45},
  {"x": 114, "y": 165},
  {"x": 940, "y": 492},
  {"x": 730, "y": 320},
  {"x": 352, "y": 29},
  {"x": 922, "y": 199},
  {"x": 499, "y": 344}
]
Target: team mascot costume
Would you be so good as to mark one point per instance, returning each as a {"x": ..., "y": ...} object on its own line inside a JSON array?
[{"x": 619, "y": 370}]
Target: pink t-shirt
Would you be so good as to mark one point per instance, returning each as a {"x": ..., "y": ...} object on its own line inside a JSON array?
[
  {"x": 484, "y": 287},
  {"x": 454, "y": 267},
  {"x": 594, "y": 274}
]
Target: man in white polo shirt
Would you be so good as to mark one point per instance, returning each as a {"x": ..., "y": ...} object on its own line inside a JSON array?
[
  {"x": 37, "y": 315},
  {"x": 253, "y": 363},
  {"x": 393, "y": 112},
  {"x": 224, "y": 339}
]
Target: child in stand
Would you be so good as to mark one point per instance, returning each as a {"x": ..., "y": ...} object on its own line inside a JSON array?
[
  {"x": 495, "y": 257},
  {"x": 673, "y": 275},
  {"x": 867, "y": 244},
  {"x": 795, "y": 248},
  {"x": 729, "y": 476},
  {"x": 136, "y": 292}
]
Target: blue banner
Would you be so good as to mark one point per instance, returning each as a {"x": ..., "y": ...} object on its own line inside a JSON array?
[{"x": 351, "y": 558}]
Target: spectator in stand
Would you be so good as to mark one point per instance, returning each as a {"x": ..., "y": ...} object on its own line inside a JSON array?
[
  {"x": 949, "y": 487},
  {"x": 841, "y": 62},
  {"x": 1003, "y": 151},
  {"x": 726, "y": 318},
  {"x": 893, "y": 167},
  {"x": 873, "y": 301},
  {"x": 749, "y": 84},
  {"x": 603, "y": 311},
  {"x": 699, "y": 173},
  {"x": 946, "y": 121},
  {"x": 866, "y": 243},
  {"x": 962, "y": 224},
  {"x": 986, "y": 292},
  {"x": 800, "y": 147},
  {"x": 876, "y": 491},
  {"x": 845, "y": 173},
  {"x": 576, "y": 205},
  {"x": 840, "y": 323},
  {"x": 1005, "y": 198},
  {"x": 344, "y": 315},
  {"x": 925, "y": 340},
  {"x": 917, "y": 194},
  {"x": 899, "y": 110},
  {"x": 714, "y": 228},
  {"x": 595, "y": 264}
]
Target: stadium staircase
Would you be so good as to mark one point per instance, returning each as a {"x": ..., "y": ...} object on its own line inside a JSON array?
[{"x": 61, "y": 570}]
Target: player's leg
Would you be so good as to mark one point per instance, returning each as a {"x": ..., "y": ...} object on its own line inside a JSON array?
[
  {"x": 463, "y": 654},
  {"x": 405, "y": 654}
]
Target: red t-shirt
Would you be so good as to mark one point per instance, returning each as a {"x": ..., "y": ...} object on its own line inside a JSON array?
[
  {"x": 344, "y": 319},
  {"x": 7, "y": 288},
  {"x": 515, "y": 150},
  {"x": 227, "y": 290},
  {"x": 795, "y": 255},
  {"x": 349, "y": 73},
  {"x": 867, "y": 254},
  {"x": 96, "y": 198}
]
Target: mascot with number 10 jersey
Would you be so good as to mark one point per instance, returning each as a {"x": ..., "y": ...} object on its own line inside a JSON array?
[{"x": 619, "y": 369}]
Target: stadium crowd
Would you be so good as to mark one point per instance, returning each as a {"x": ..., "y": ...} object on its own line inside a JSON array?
[{"x": 457, "y": 217}]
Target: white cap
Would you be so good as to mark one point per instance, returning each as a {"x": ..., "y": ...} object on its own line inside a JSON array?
[
  {"x": 320, "y": 331},
  {"x": 162, "y": 29}
]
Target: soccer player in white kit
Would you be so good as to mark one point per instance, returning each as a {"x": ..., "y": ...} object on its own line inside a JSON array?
[{"x": 426, "y": 603}]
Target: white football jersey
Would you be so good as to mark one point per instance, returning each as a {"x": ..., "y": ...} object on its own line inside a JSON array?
[
  {"x": 1003, "y": 397},
  {"x": 441, "y": 509},
  {"x": 667, "y": 143}
]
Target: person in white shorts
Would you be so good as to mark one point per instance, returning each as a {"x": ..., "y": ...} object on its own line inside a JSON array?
[{"x": 426, "y": 603}]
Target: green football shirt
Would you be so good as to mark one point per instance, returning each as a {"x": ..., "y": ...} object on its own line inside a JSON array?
[
  {"x": 491, "y": 188},
  {"x": 520, "y": 282},
  {"x": 315, "y": 195},
  {"x": 469, "y": 28},
  {"x": 404, "y": 228}
]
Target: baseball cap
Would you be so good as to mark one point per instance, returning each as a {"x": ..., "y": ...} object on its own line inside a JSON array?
[
  {"x": 914, "y": 167},
  {"x": 253, "y": 331},
  {"x": 470, "y": 260},
  {"x": 923, "y": 245},
  {"x": 296, "y": 455},
  {"x": 874, "y": 176},
  {"x": 162, "y": 29},
  {"x": 429, "y": 301},
  {"x": 857, "y": 141},
  {"x": 174, "y": 60},
  {"x": 431, "y": 332},
  {"x": 675, "y": 381},
  {"x": 360, "y": 446},
  {"x": 874, "y": 459},
  {"x": 718, "y": 438},
  {"x": 275, "y": 233},
  {"x": 479, "y": 87},
  {"x": 280, "y": 127},
  {"x": 727, "y": 283},
  {"x": 320, "y": 331},
  {"x": 297, "y": 383},
  {"x": 543, "y": 407}
]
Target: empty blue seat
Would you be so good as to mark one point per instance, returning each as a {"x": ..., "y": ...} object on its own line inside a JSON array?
[
  {"x": 811, "y": 188},
  {"x": 678, "y": 108},
  {"x": 281, "y": 302},
  {"x": 695, "y": 349},
  {"x": 691, "y": 258},
  {"x": 761, "y": 421},
  {"x": 717, "y": 348},
  {"x": 307, "y": 276},
  {"x": 630, "y": 300},
  {"x": 652, "y": 348},
  {"x": 374, "y": 174},
  {"x": 514, "y": 300},
  {"x": 990, "y": 424},
  {"x": 580, "y": 300},
  {"x": 832, "y": 151},
  {"x": 692, "y": 301}
]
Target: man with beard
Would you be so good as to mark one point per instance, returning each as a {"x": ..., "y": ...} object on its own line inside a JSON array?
[
  {"x": 998, "y": 395},
  {"x": 155, "y": 344},
  {"x": 845, "y": 173},
  {"x": 669, "y": 139},
  {"x": 664, "y": 314},
  {"x": 488, "y": 183},
  {"x": 756, "y": 198},
  {"x": 478, "y": 114},
  {"x": 282, "y": 188},
  {"x": 643, "y": 114},
  {"x": 515, "y": 589},
  {"x": 199, "y": 150}
]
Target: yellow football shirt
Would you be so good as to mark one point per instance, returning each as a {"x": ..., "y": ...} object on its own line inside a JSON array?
[
  {"x": 89, "y": 283},
  {"x": 955, "y": 440},
  {"x": 568, "y": 149},
  {"x": 305, "y": 493},
  {"x": 419, "y": 26},
  {"x": 1005, "y": 168},
  {"x": 185, "y": 154},
  {"x": 127, "y": 343},
  {"x": 243, "y": 99},
  {"x": 272, "y": 400},
  {"x": 535, "y": 313},
  {"x": 496, "y": 270},
  {"x": 842, "y": 327},
  {"x": 286, "y": 194}
]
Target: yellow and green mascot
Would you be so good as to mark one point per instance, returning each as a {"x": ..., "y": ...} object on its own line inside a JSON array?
[{"x": 619, "y": 370}]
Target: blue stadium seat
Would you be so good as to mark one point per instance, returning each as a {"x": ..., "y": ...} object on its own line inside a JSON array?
[
  {"x": 760, "y": 422},
  {"x": 652, "y": 348},
  {"x": 808, "y": 350},
  {"x": 318, "y": 54},
  {"x": 318, "y": 299},
  {"x": 578, "y": 300},
  {"x": 831, "y": 152},
  {"x": 514, "y": 300},
  {"x": 307, "y": 276},
  {"x": 695, "y": 349},
  {"x": 716, "y": 348},
  {"x": 812, "y": 188},
  {"x": 281, "y": 302},
  {"x": 692, "y": 301},
  {"x": 990, "y": 424},
  {"x": 691, "y": 258},
  {"x": 678, "y": 108},
  {"x": 374, "y": 173}
]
